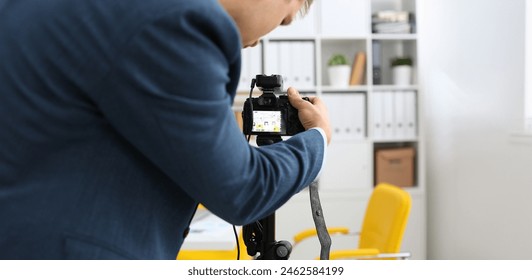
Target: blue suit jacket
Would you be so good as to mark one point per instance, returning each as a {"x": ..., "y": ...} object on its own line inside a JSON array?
[{"x": 116, "y": 120}]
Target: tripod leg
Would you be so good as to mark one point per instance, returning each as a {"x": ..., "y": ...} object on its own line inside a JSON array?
[{"x": 319, "y": 222}]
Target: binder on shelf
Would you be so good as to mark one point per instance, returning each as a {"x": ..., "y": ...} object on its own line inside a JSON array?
[
  {"x": 394, "y": 115},
  {"x": 302, "y": 62},
  {"x": 335, "y": 117},
  {"x": 352, "y": 114},
  {"x": 273, "y": 58},
  {"x": 255, "y": 65},
  {"x": 358, "y": 69},
  {"x": 377, "y": 63},
  {"x": 349, "y": 117},
  {"x": 410, "y": 114},
  {"x": 296, "y": 64},
  {"x": 378, "y": 115},
  {"x": 400, "y": 115},
  {"x": 294, "y": 60},
  {"x": 285, "y": 63},
  {"x": 244, "y": 71},
  {"x": 388, "y": 110},
  {"x": 308, "y": 65},
  {"x": 357, "y": 116},
  {"x": 251, "y": 65}
]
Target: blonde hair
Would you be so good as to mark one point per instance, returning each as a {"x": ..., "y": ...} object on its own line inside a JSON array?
[{"x": 305, "y": 7}]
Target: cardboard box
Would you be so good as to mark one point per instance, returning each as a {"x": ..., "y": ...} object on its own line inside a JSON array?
[{"x": 395, "y": 166}]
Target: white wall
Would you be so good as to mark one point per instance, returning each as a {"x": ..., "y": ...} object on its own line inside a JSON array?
[
  {"x": 528, "y": 66},
  {"x": 479, "y": 177}
]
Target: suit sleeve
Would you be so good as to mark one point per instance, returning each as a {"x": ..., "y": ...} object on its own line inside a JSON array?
[{"x": 168, "y": 95}]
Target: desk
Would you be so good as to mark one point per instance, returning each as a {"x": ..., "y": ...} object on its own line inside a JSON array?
[{"x": 209, "y": 232}]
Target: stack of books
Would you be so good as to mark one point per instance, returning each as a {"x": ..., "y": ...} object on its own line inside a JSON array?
[{"x": 392, "y": 22}]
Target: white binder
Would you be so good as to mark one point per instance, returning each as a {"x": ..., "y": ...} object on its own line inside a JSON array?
[
  {"x": 378, "y": 115},
  {"x": 356, "y": 116},
  {"x": 273, "y": 58},
  {"x": 400, "y": 115},
  {"x": 388, "y": 112},
  {"x": 297, "y": 64},
  {"x": 251, "y": 66},
  {"x": 411, "y": 114},
  {"x": 294, "y": 60},
  {"x": 348, "y": 119},
  {"x": 245, "y": 80},
  {"x": 285, "y": 64},
  {"x": 308, "y": 68},
  {"x": 255, "y": 64},
  {"x": 335, "y": 117}
]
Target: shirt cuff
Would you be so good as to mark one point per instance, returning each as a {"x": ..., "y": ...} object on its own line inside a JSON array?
[{"x": 324, "y": 136}]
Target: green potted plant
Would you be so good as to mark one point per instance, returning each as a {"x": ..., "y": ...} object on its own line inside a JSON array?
[
  {"x": 339, "y": 70},
  {"x": 402, "y": 70}
]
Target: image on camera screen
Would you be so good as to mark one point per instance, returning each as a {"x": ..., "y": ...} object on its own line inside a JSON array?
[{"x": 266, "y": 121}]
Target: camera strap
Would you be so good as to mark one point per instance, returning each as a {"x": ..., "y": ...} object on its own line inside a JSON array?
[{"x": 319, "y": 221}]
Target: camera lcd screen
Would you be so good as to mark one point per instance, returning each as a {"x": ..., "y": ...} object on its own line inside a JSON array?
[{"x": 266, "y": 121}]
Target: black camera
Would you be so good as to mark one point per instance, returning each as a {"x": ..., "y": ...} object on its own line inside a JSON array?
[{"x": 271, "y": 113}]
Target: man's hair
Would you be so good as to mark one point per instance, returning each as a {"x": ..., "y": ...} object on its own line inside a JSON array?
[{"x": 306, "y": 7}]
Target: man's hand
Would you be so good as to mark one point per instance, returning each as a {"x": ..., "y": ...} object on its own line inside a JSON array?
[{"x": 311, "y": 114}]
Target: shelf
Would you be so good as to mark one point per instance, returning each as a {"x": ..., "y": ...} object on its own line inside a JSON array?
[
  {"x": 290, "y": 38},
  {"x": 341, "y": 38},
  {"x": 389, "y": 141},
  {"x": 394, "y": 87},
  {"x": 283, "y": 53},
  {"x": 415, "y": 191},
  {"x": 302, "y": 90},
  {"x": 358, "y": 114},
  {"x": 328, "y": 89},
  {"x": 406, "y": 36}
]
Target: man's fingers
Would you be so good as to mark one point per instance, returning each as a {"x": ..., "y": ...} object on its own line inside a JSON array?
[
  {"x": 295, "y": 98},
  {"x": 311, "y": 114}
]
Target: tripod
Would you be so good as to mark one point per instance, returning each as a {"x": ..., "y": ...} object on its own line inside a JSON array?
[{"x": 259, "y": 237}]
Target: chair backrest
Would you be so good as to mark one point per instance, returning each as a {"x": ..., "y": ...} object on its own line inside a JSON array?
[{"x": 385, "y": 219}]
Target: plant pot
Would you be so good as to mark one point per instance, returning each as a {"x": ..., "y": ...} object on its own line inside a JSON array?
[
  {"x": 339, "y": 75},
  {"x": 402, "y": 75}
]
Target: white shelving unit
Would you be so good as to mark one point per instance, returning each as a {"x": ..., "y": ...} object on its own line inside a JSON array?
[{"x": 344, "y": 26}]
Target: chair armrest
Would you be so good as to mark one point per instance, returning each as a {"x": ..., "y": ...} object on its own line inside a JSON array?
[
  {"x": 367, "y": 254},
  {"x": 357, "y": 253},
  {"x": 312, "y": 232},
  {"x": 400, "y": 255}
]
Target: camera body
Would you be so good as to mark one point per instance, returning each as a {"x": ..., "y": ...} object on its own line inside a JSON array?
[{"x": 271, "y": 113}]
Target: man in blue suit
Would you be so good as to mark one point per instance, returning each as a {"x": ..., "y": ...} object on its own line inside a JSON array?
[{"x": 116, "y": 121}]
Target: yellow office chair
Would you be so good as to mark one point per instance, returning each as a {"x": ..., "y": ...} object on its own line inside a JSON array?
[{"x": 382, "y": 229}]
